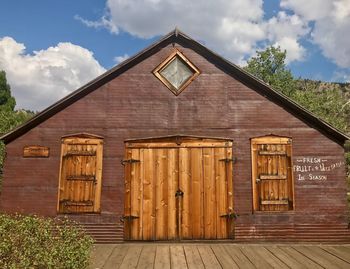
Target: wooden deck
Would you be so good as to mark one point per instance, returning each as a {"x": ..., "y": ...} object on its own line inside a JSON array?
[{"x": 231, "y": 256}]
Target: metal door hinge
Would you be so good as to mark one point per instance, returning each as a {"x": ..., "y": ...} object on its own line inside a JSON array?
[
  {"x": 227, "y": 160},
  {"x": 123, "y": 162},
  {"x": 128, "y": 218}
]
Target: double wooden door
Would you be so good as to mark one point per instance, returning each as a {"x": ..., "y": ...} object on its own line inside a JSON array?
[{"x": 178, "y": 190}]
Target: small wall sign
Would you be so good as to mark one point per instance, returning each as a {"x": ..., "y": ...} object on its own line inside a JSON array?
[{"x": 36, "y": 152}]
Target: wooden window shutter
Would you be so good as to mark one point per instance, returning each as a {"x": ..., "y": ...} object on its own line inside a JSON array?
[
  {"x": 272, "y": 177},
  {"x": 80, "y": 175}
]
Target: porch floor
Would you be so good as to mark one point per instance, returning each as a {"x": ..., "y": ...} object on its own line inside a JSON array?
[{"x": 215, "y": 255}]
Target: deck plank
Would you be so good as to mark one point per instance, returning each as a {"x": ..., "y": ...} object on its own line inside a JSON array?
[
  {"x": 307, "y": 262},
  {"x": 147, "y": 256},
  {"x": 177, "y": 257},
  {"x": 116, "y": 257},
  {"x": 208, "y": 257},
  {"x": 131, "y": 258},
  {"x": 284, "y": 257},
  {"x": 162, "y": 260},
  {"x": 239, "y": 258},
  {"x": 193, "y": 258},
  {"x": 223, "y": 257},
  {"x": 99, "y": 255},
  {"x": 251, "y": 253},
  {"x": 322, "y": 257},
  {"x": 339, "y": 251},
  {"x": 270, "y": 258}
]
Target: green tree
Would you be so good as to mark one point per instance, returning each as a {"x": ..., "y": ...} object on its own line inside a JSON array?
[
  {"x": 7, "y": 102},
  {"x": 269, "y": 66},
  {"x": 9, "y": 118},
  {"x": 329, "y": 103}
]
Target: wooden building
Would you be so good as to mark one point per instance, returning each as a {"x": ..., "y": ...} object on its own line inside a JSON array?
[{"x": 177, "y": 143}]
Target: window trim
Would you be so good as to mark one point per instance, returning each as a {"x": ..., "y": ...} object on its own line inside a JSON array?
[{"x": 165, "y": 63}]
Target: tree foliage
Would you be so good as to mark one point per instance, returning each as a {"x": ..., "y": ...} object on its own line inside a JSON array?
[
  {"x": 325, "y": 100},
  {"x": 269, "y": 66},
  {"x": 330, "y": 102},
  {"x": 7, "y": 101},
  {"x": 9, "y": 117}
]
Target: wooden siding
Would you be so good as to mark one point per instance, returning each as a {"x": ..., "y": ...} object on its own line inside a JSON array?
[{"x": 136, "y": 104}]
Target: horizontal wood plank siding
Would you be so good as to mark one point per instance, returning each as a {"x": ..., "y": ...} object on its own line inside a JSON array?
[{"x": 136, "y": 104}]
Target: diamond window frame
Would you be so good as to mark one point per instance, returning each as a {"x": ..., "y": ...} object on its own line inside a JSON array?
[{"x": 157, "y": 72}]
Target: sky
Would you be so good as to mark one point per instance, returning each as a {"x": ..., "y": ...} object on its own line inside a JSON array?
[{"x": 50, "y": 48}]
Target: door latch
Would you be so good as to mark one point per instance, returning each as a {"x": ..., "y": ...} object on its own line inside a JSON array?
[
  {"x": 123, "y": 162},
  {"x": 179, "y": 193},
  {"x": 231, "y": 215},
  {"x": 128, "y": 218},
  {"x": 227, "y": 160}
]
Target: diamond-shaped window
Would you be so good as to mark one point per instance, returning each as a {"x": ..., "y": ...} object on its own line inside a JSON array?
[{"x": 176, "y": 72}]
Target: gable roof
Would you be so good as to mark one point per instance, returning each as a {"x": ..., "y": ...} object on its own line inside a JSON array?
[{"x": 180, "y": 38}]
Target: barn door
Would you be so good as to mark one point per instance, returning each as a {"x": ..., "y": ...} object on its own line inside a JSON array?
[
  {"x": 151, "y": 181},
  {"x": 205, "y": 178},
  {"x": 178, "y": 190},
  {"x": 272, "y": 174},
  {"x": 80, "y": 177}
]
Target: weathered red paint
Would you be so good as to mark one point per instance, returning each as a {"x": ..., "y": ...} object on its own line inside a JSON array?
[{"x": 136, "y": 104}]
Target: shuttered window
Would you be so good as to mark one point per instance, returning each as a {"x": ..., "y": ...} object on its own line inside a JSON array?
[
  {"x": 80, "y": 174},
  {"x": 272, "y": 177}
]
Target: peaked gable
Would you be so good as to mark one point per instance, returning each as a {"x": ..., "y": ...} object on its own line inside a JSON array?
[{"x": 182, "y": 39}]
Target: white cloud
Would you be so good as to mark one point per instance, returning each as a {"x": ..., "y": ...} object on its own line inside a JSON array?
[
  {"x": 294, "y": 49},
  {"x": 39, "y": 79},
  {"x": 119, "y": 59},
  {"x": 331, "y": 20},
  {"x": 102, "y": 23},
  {"x": 285, "y": 31},
  {"x": 232, "y": 27},
  {"x": 309, "y": 9},
  {"x": 236, "y": 28},
  {"x": 229, "y": 26}
]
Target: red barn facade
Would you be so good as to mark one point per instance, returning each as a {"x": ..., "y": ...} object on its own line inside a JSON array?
[{"x": 177, "y": 143}]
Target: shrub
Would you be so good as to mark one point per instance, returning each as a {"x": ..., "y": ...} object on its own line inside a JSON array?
[{"x": 34, "y": 242}]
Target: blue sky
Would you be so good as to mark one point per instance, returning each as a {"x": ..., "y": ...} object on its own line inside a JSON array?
[{"x": 50, "y": 48}]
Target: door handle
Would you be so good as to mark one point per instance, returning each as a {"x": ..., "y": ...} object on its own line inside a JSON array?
[
  {"x": 229, "y": 215},
  {"x": 128, "y": 218},
  {"x": 179, "y": 193}
]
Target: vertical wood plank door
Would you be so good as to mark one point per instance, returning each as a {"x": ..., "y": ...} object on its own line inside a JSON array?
[
  {"x": 272, "y": 174},
  {"x": 80, "y": 176},
  {"x": 178, "y": 190}
]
